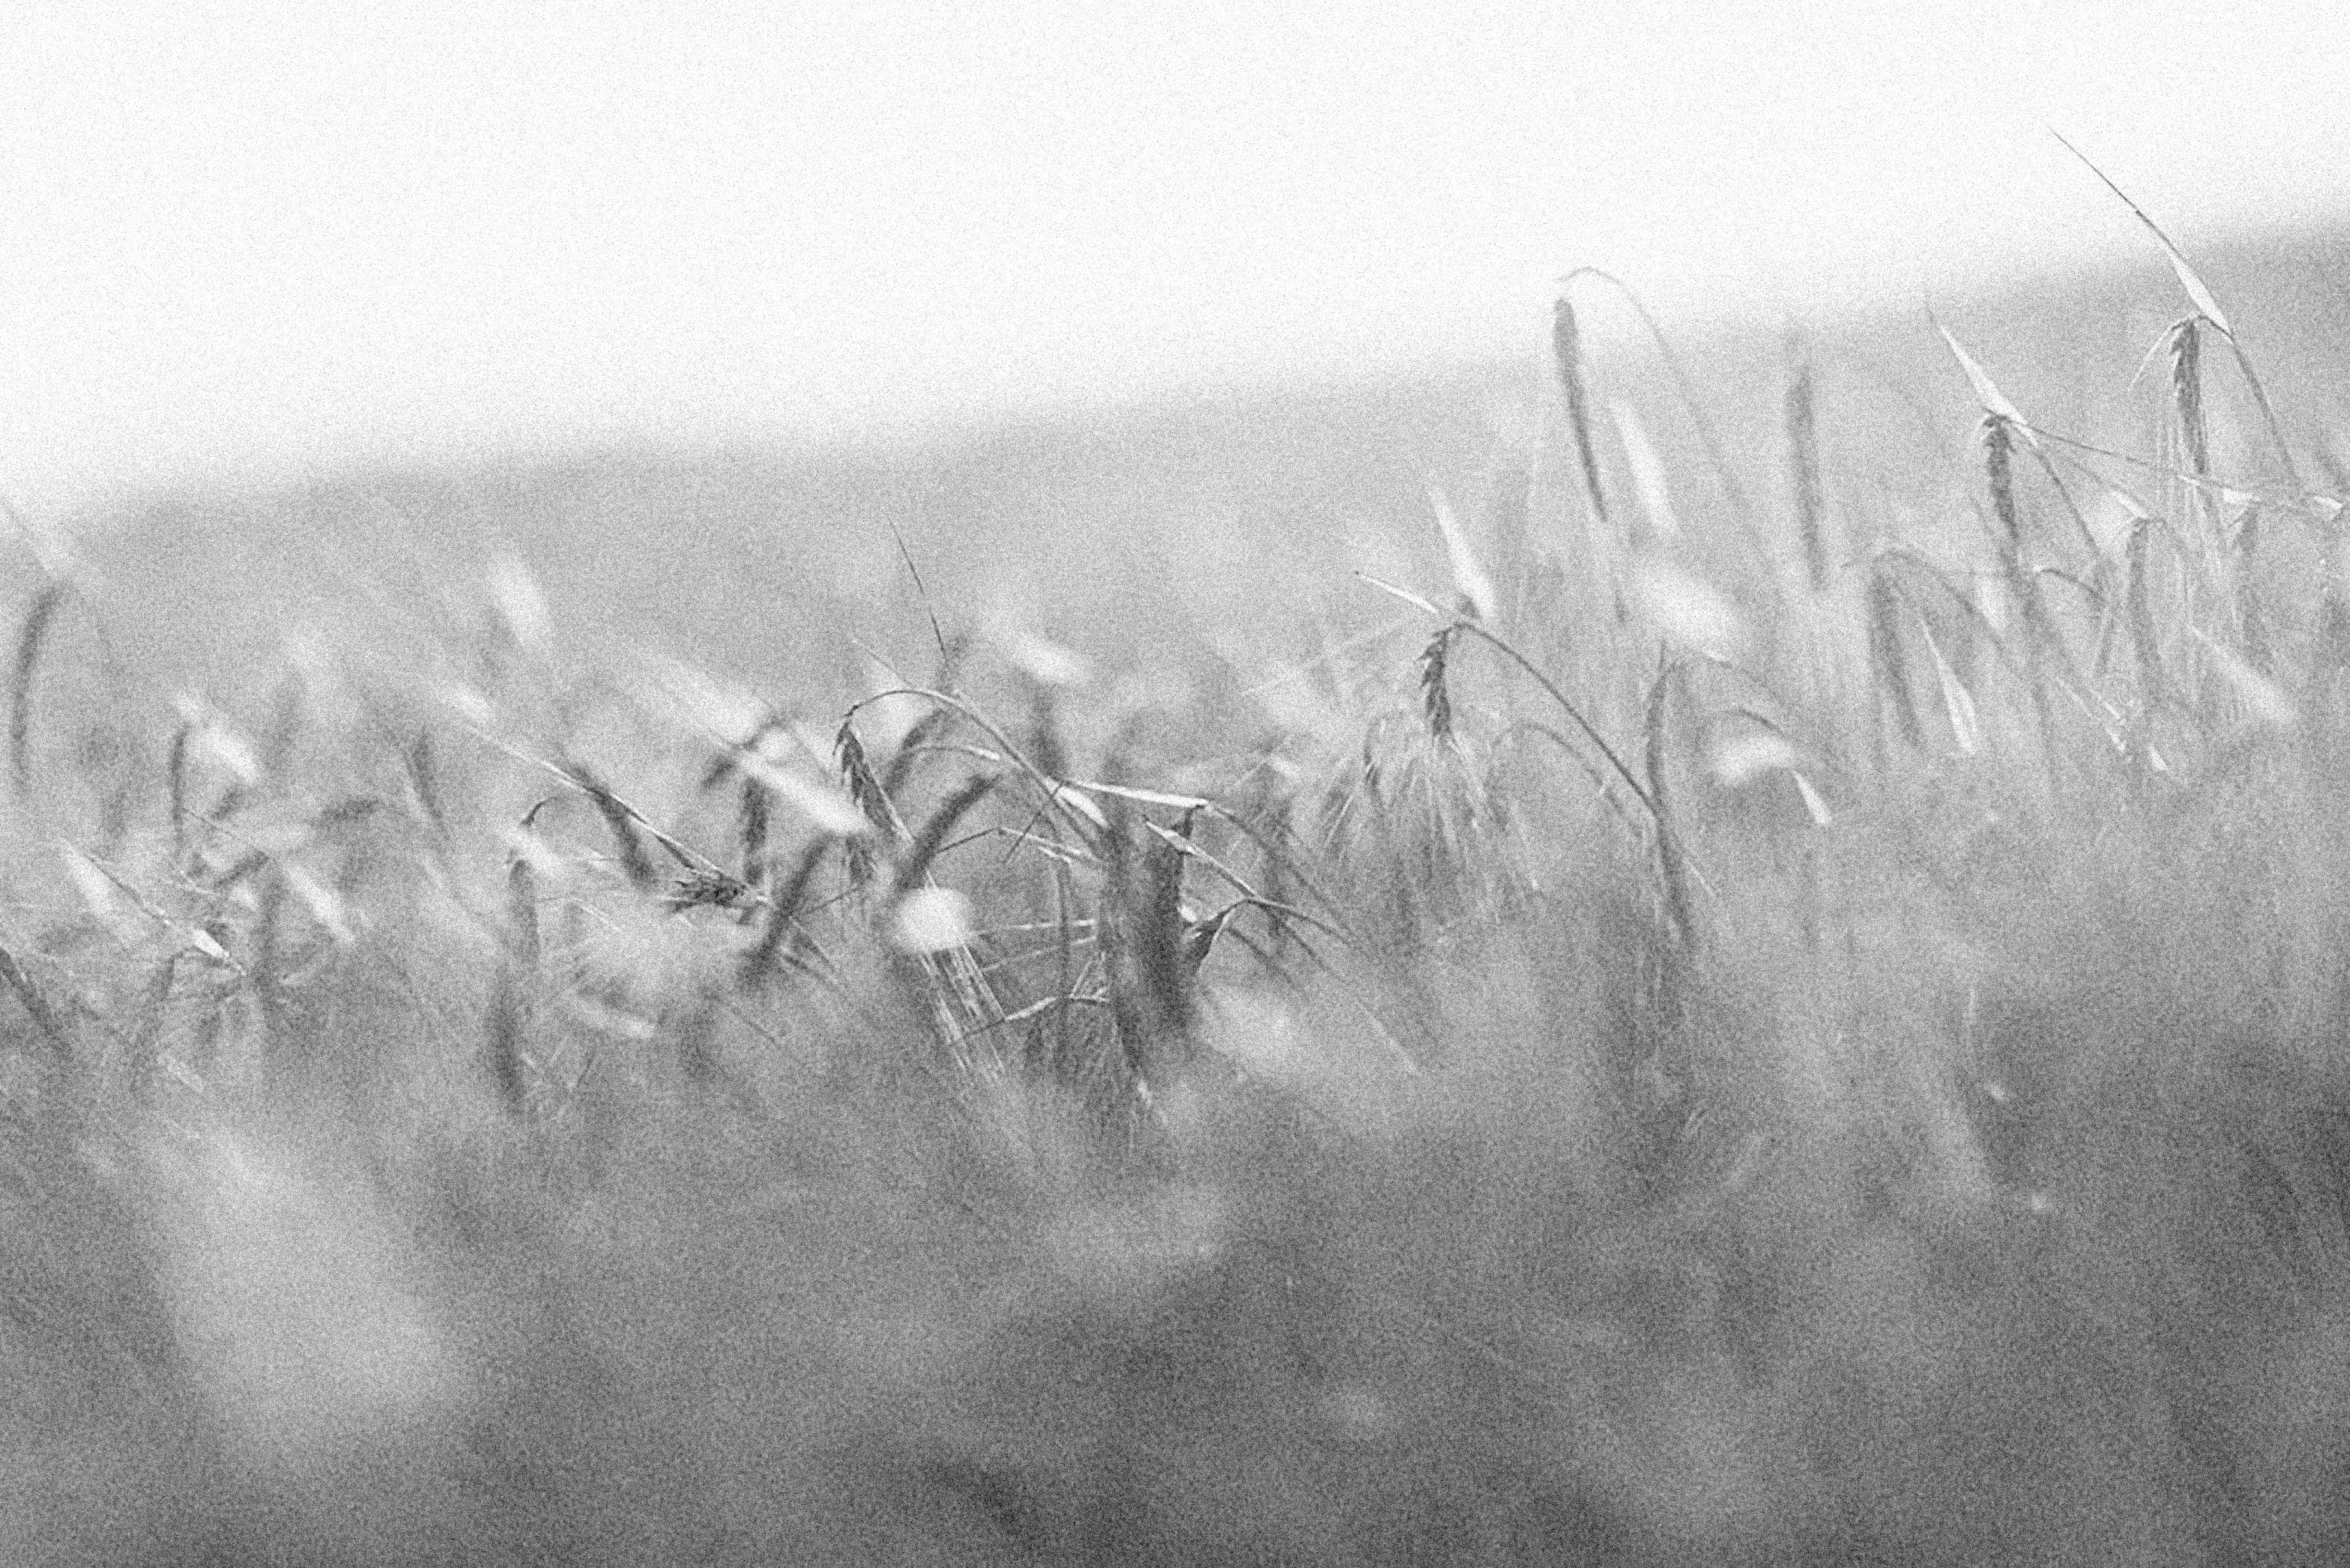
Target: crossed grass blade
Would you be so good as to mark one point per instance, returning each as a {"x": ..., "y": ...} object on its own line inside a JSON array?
[
  {"x": 45, "y": 1019},
  {"x": 622, "y": 819},
  {"x": 780, "y": 932},
  {"x": 1149, "y": 974}
]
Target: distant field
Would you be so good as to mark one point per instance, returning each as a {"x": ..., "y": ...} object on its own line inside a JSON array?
[
  {"x": 1528, "y": 966},
  {"x": 1207, "y": 515}
]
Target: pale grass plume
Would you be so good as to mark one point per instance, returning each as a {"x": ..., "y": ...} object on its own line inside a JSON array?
[
  {"x": 929, "y": 920},
  {"x": 1469, "y": 577},
  {"x": 2207, "y": 306},
  {"x": 1737, "y": 760},
  {"x": 723, "y": 713},
  {"x": 2263, "y": 700},
  {"x": 100, "y": 897},
  {"x": 1651, "y": 485},
  {"x": 520, "y": 603},
  {"x": 1044, "y": 661},
  {"x": 825, "y": 807},
  {"x": 1688, "y": 612},
  {"x": 213, "y": 737},
  {"x": 1958, "y": 704},
  {"x": 1987, "y": 394}
]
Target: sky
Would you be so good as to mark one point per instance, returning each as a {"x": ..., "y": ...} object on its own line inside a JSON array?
[{"x": 249, "y": 242}]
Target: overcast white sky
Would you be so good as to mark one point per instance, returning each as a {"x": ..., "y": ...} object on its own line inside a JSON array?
[{"x": 242, "y": 238}]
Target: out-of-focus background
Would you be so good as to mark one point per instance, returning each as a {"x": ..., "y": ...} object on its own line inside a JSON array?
[{"x": 249, "y": 242}]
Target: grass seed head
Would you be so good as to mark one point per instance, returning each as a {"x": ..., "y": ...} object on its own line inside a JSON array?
[
  {"x": 1566, "y": 341},
  {"x": 1435, "y": 689},
  {"x": 29, "y": 637},
  {"x": 635, "y": 863},
  {"x": 1803, "y": 460},
  {"x": 2186, "y": 388},
  {"x": 781, "y": 933},
  {"x": 1999, "y": 478},
  {"x": 1889, "y": 666},
  {"x": 923, "y": 847},
  {"x": 751, "y": 833},
  {"x": 870, "y": 799}
]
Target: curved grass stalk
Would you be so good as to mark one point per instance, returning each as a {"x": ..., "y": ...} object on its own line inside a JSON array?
[{"x": 1686, "y": 387}]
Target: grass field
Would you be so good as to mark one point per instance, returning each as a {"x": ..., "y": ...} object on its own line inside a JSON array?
[{"x": 1546, "y": 967}]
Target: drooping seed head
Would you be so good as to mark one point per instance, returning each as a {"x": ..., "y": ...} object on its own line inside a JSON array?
[
  {"x": 1803, "y": 459},
  {"x": 1566, "y": 341},
  {"x": 1435, "y": 689},
  {"x": 1999, "y": 478},
  {"x": 2186, "y": 387}
]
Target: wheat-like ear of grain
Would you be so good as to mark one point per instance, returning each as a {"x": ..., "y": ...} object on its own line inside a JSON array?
[
  {"x": 1885, "y": 654},
  {"x": 1469, "y": 577},
  {"x": 1045, "y": 747},
  {"x": 913, "y": 863},
  {"x": 1149, "y": 976},
  {"x": 1567, "y": 349},
  {"x": 1803, "y": 459},
  {"x": 1672, "y": 864},
  {"x": 2186, "y": 386},
  {"x": 900, "y": 768},
  {"x": 856, "y": 772},
  {"x": 2186, "y": 383},
  {"x": 29, "y": 638},
  {"x": 635, "y": 864},
  {"x": 869, "y": 797},
  {"x": 503, "y": 1051},
  {"x": 751, "y": 834},
  {"x": 783, "y": 912},
  {"x": 1999, "y": 481},
  {"x": 1435, "y": 692},
  {"x": 2199, "y": 293}
]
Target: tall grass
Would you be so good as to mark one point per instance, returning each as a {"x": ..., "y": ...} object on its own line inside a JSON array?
[{"x": 1641, "y": 1066}]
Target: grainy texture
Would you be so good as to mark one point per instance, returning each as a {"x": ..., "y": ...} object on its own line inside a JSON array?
[{"x": 1501, "y": 1081}]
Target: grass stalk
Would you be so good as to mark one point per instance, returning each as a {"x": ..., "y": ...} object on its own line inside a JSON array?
[{"x": 1803, "y": 461}]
